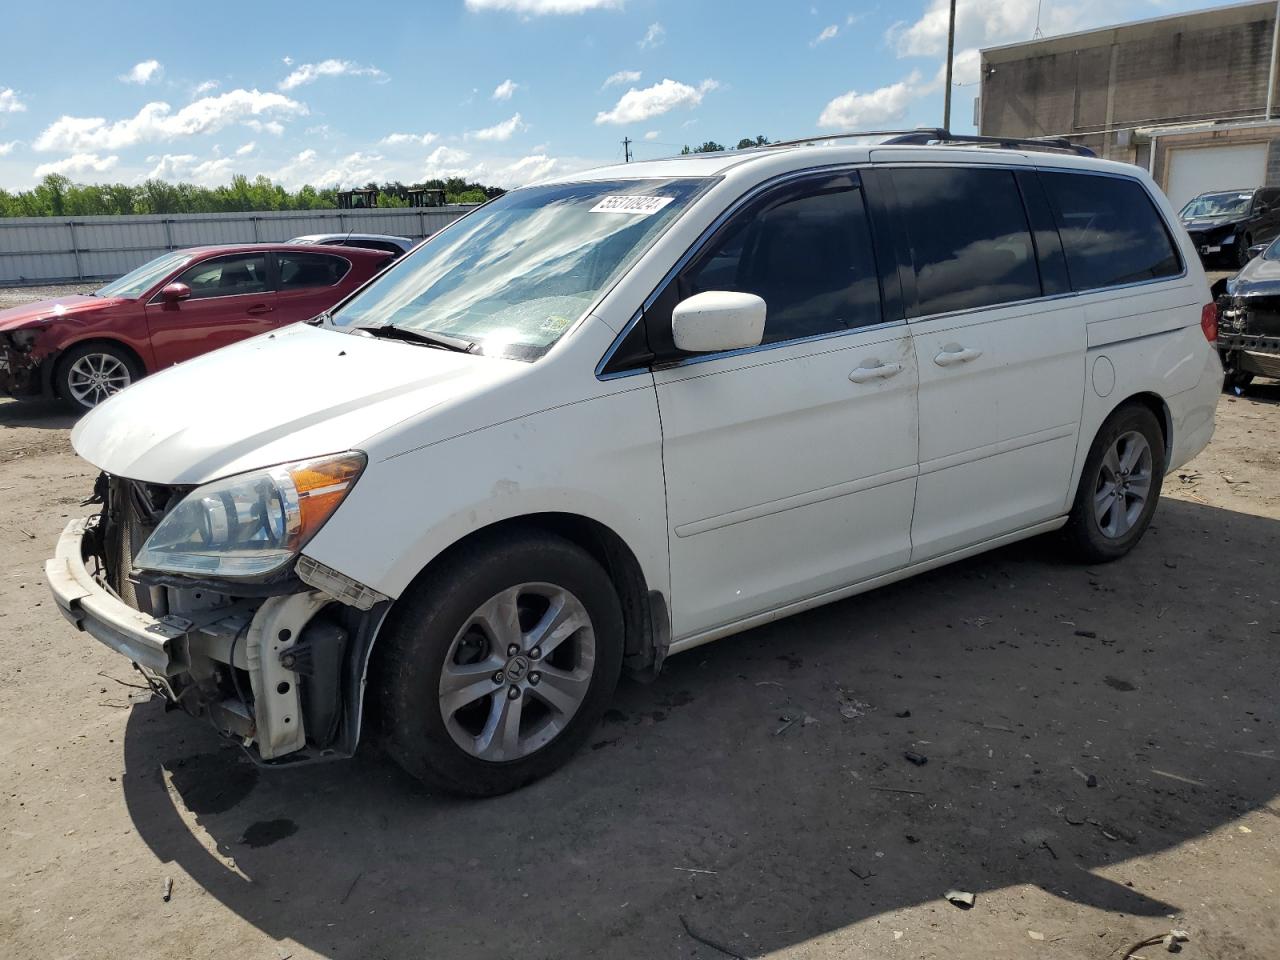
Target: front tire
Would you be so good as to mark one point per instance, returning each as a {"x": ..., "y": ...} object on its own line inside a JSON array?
[
  {"x": 88, "y": 374},
  {"x": 492, "y": 672},
  {"x": 1119, "y": 486},
  {"x": 1242, "y": 251}
]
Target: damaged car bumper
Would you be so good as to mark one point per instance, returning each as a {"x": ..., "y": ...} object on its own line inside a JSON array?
[
  {"x": 21, "y": 374},
  {"x": 1249, "y": 333},
  {"x": 280, "y": 674}
]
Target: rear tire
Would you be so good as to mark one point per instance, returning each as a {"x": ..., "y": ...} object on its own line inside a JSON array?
[
  {"x": 1119, "y": 486},
  {"x": 459, "y": 643},
  {"x": 1235, "y": 379}
]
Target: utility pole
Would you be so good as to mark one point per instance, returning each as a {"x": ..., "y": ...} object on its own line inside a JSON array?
[
  {"x": 951, "y": 46},
  {"x": 626, "y": 148}
]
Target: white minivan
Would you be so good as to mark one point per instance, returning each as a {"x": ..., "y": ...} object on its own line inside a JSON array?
[{"x": 616, "y": 415}]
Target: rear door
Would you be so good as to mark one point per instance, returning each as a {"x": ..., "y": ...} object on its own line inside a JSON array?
[
  {"x": 1001, "y": 368},
  {"x": 231, "y": 299},
  {"x": 790, "y": 467},
  {"x": 308, "y": 284}
]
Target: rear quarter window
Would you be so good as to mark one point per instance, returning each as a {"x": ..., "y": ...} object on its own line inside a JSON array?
[
  {"x": 1111, "y": 232},
  {"x": 311, "y": 270}
]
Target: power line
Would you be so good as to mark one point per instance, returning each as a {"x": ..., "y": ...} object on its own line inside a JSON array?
[{"x": 626, "y": 149}]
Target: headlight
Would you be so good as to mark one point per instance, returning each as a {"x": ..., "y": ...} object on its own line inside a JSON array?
[{"x": 252, "y": 524}]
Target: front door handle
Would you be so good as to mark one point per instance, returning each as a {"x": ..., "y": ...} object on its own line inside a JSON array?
[
  {"x": 875, "y": 370},
  {"x": 258, "y": 309},
  {"x": 954, "y": 353}
]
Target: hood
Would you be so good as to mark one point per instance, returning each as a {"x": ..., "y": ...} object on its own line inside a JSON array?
[
  {"x": 300, "y": 392},
  {"x": 15, "y": 317},
  {"x": 1259, "y": 276}
]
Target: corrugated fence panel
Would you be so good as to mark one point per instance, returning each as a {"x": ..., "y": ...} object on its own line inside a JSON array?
[{"x": 50, "y": 249}]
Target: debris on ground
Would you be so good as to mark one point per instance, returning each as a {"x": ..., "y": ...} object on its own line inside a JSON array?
[
  {"x": 168, "y": 889},
  {"x": 1171, "y": 941},
  {"x": 960, "y": 898},
  {"x": 861, "y": 874},
  {"x": 1035, "y": 934},
  {"x": 850, "y": 707},
  {"x": 918, "y": 759},
  {"x": 1087, "y": 634},
  {"x": 902, "y": 714},
  {"x": 708, "y": 942}
]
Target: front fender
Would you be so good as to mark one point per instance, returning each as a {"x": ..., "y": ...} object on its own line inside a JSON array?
[{"x": 599, "y": 458}]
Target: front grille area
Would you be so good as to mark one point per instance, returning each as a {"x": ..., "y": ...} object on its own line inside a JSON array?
[{"x": 130, "y": 512}]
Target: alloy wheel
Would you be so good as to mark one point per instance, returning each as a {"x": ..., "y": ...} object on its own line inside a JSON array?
[
  {"x": 517, "y": 671},
  {"x": 1124, "y": 484},
  {"x": 96, "y": 376}
]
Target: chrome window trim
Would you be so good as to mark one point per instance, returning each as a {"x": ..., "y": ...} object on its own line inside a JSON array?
[{"x": 705, "y": 236}]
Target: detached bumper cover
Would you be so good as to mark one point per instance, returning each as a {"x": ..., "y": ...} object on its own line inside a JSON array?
[{"x": 160, "y": 645}]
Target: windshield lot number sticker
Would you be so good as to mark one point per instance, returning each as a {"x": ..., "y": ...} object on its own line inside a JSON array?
[{"x": 639, "y": 206}]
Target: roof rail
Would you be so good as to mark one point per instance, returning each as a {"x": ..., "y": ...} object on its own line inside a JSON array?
[{"x": 930, "y": 136}]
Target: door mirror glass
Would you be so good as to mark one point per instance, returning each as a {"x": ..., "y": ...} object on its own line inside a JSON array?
[
  {"x": 718, "y": 320},
  {"x": 173, "y": 292}
]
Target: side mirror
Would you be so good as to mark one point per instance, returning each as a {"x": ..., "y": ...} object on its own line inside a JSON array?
[
  {"x": 173, "y": 292},
  {"x": 1257, "y": 249},
  {"x": 717, "y": 320}
]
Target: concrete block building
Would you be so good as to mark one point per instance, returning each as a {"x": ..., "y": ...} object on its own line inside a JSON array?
[{"x": 1191, "y": 97}]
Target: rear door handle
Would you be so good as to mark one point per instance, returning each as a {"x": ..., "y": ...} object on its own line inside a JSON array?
[
  {"x": 954, "y": 353},
  {"x": 875, "y": 370},
  {"x": 258, "y": 309}
]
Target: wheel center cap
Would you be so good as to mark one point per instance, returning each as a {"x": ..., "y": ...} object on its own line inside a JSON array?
[{"x": 517, "y": 667}]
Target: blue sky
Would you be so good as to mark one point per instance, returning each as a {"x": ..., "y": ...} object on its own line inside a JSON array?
[{"x": 504, "y": 91}]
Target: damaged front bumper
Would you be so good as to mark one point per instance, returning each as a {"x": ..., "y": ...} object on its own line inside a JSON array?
[
  {"x": 21, "y": 375},
  {"x": 283, "y": 675},
  {"x": 1249, "y": 333}
]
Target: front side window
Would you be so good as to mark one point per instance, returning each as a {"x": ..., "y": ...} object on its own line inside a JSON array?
[
  {"x": 227, "y": 276},
  {"x": 1111, "y": 232},
  {"x": 806, "y": 252},
  {"x": 514, "y": 275},
  {"x": 968, "y": 235},
  {"x": 141, "y": 279},
  {"x": 310, "y": 270}
]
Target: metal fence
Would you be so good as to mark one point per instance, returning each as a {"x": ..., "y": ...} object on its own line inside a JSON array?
[{"x": 52, "y": 249}]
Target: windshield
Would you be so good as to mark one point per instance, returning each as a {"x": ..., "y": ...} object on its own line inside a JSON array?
[
  {"x": 137, "y": 282},
  {"x": 1217, "y": 205},
  {"x": 514, "y": 276}
]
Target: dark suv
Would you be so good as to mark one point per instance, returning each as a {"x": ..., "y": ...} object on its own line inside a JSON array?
[{"x": 1225, "y": 223}]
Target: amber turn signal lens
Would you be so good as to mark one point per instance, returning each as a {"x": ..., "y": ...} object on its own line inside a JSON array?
[{"x": 321, "y": 485}]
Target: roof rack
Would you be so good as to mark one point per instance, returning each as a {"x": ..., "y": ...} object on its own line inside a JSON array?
[{"x": 928, "y": 136}]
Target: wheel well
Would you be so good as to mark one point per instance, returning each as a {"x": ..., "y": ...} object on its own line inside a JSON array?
[
  {"x": 1157, "y": 406},
  {"x": 55, "y": 368},
  {"x": 645, "y": 620}
]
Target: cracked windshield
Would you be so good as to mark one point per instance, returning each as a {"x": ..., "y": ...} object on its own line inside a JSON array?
[{"x": 515, "y": 275}]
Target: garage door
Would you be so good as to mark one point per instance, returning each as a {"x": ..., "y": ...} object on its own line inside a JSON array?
[{"x": 1197, "y": 170}]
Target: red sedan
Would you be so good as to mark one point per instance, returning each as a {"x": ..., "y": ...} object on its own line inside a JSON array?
[{"x": 180, "y": 305}]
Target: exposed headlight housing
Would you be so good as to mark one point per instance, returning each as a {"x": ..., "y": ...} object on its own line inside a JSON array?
[{"x": 250, "y": 525}]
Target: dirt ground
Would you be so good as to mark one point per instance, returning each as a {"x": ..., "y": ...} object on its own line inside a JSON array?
[{"x": 1101, "y": 746}]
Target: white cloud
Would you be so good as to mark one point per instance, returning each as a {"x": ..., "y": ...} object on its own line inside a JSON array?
[
  {"x": 827, "y": 34},
  {"x": 287, "y": 61},
  {"x": 653, "y": 37},
  {"x": 78, "y": 163},
  {"x": 505, "y": 89},
  {"x": 966, "y": 69},
  {"x": 853, "y": 110},
  {"x": 352, "y": 170},
  {"x": 7, "y": 148},
  {"x": 187, "y": 167},
  {"x": 311, "y": 72},
  {"x": 399, "y": 139},
  {"x": 9, "y": 102},
  {"x": 157, "y": 122},
  {"x": 637, "y": 105},
  {"x": 981, "y": 24},
  {"x": 653, "y": 134},
  {"x": 499, "y": 131},
  {"x": 148, "y": 71},
  {"x": 246, "y": 149},
  {"x": 446, "y": 157},
  {"x": 273, "y": 127},
  {"x": 538, "y": 8},
  {"x": 201, "y": 89},
  {"x": 622, "y": 76}
]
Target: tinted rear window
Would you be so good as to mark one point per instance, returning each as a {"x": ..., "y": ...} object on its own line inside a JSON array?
[
  {"x": 1111, "y": 232},
  {"x": 969, "y": 238},
  {"x": 310, "y": 270}
]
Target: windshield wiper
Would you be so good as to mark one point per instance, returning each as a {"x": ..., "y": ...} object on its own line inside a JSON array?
[{"x": 427, "y": 338}]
